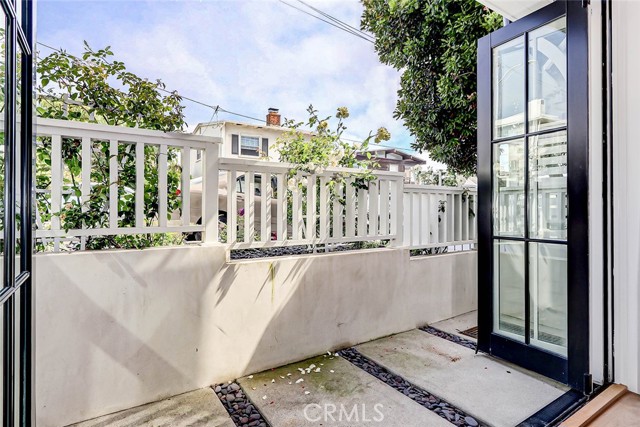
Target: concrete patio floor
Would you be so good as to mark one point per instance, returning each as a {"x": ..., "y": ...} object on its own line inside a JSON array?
[
  {"x": 328, "y": 390},
  {"x": 458, "y": 324},
  {"x": 332, "y": 392},
  {"x": 200, "y": 408},
  {"x": 497, "y": 393}
]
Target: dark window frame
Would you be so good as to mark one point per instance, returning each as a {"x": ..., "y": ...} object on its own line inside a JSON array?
[
  {"x": 574, "y": 369},
  {"x": 249, "y": 152},
  {"x": 17, "y": 372}
]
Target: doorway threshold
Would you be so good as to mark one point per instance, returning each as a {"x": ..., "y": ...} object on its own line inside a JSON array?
[{"x": 615, "y": 406}]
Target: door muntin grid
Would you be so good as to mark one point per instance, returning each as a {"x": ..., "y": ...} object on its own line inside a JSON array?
[{"x": 529, "y": 186}]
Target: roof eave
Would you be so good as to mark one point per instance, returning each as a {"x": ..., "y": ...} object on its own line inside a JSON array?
[{"x": 515, "y": 9}]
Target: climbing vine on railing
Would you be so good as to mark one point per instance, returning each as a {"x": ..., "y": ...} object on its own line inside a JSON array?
[
  {"x": 96, "y": 88},
  {"x": 313, "y": 152}
]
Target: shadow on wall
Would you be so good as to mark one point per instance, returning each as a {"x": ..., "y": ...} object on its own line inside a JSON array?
[
  {"x": 110, "y": 330},
  {"x": 121, "y": 328},
  {"x": 289, "y": 309}
]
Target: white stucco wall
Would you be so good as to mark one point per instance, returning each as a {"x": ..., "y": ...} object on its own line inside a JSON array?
[
  {"x": 626, "y": 171},
  {"x": 116, "y": 329}
]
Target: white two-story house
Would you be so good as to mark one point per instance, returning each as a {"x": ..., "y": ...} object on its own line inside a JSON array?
[{"x": 243, "y": 139}]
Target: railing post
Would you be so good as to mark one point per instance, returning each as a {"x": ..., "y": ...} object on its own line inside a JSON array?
[
  {"x": 56, "y": 181},
  {"x": 210, "y": 178},
  {"x": 397, "y": 204},
  {"x": 86, "y": 183},
  {"x": 140, "y": 213},
  {"x": 113, "y": 183}
]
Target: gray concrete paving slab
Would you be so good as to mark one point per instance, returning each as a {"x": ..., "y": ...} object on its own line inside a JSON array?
[
  {"x": 459, "y": 323},
  {"x": 200, "y": 408},
  {"x": 332, "y": 392},
  {"x": 496, "y": 393}
]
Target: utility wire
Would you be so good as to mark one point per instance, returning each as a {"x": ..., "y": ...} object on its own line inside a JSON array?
[
  {"x": 215, "y": 108},
  {"x": 355, "y": 33},
  {"x": 339, "y": 21}
]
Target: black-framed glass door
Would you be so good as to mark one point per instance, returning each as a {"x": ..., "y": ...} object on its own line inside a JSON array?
[
  {"x": 16, "y": 210},
  {"x": 533, "y": 192}
]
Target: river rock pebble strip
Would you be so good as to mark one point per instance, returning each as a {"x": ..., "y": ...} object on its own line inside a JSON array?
[
  {"x": 449, "y": 337},
  {"x": 433, "y": 403},
  {"x": 237, "y": 404},
  {"x": 238, "y": 254}
]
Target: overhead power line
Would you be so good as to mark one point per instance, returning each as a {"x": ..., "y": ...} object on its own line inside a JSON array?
[
  {"x": 331, "y": 20},
  {"x": 338, "y": 21},
  {"x": 216, "y": 108}
]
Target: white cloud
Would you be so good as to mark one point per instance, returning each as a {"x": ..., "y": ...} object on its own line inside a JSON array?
[{"x": 244, "y": 55}]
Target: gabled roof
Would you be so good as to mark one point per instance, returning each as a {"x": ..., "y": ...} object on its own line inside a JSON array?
[
  {"x": 247, "y": 125},
  {"x": 406, "y": 157}
]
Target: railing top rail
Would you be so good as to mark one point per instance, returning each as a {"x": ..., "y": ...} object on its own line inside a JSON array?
[
  {"x": 436, "y": 189},
  {"x": 99, "y": 131},
  {"x": 258, "y": 165}
]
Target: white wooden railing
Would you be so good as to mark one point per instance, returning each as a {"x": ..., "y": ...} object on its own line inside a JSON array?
[
  {"x": 437, "y": 216},
  {"x": 121, "y": 138},
  {"x": 246, "y": 203},
  {"x": 312, "y": 213}
]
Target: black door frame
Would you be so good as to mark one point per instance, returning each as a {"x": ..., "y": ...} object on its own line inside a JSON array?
[
  {"x": 18, "y": 199},
  {"x": 574, "y": 370}
]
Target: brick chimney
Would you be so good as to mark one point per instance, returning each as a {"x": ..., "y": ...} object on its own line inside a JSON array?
[{"x": 273, "y": 117}]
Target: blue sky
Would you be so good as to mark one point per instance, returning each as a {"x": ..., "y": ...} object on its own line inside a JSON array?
[{"x": 244, "y": 55}]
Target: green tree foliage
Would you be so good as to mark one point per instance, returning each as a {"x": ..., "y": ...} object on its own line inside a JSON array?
[
  {"x": 314, "y": 152},
  {"x": 95, "y": 88},
  {"x": 322, "y": 148},
  {"x": 430, "y": 176},
  {"x": 434, "y": 44}
]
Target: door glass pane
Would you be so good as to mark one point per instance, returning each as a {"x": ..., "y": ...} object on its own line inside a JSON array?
[
  {"x": 508, "y": 188},
  {"x": 548, "y": 200},
  {"x": 547, "y": 78},
  {"x": 18, "y": 163},
  {"x": 508, "y": 89},
  {"x": 548, "y": 291},
  {"x": 509, "y": 289}
]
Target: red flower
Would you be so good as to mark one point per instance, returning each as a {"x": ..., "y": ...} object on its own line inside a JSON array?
[{"x": 178, "y": 192}]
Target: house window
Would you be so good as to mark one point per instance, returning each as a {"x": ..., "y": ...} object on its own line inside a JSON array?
[{"x": 250, "y": 146}]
